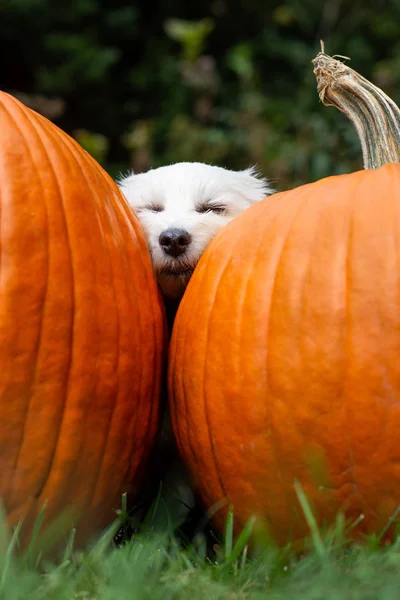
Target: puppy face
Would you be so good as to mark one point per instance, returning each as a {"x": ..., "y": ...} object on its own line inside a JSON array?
[{"x": 182, "y": 207}]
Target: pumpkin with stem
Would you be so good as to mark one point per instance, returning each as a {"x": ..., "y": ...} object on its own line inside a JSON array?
[
  {"x": 285, "y": 354},
  {"x": 81, "y": 331}
]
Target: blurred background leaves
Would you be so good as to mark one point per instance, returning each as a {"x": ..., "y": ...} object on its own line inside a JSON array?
[{"x": 140, "y": 84}]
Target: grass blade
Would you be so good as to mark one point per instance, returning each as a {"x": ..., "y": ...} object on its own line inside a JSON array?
[
  {"x": 29, "y": 553},
  {"x": 389, "y": 523},
  {"x": 228, "y": 534},
  {"x": 243, "y": 539},
  {"x": 311, "y": 522}
]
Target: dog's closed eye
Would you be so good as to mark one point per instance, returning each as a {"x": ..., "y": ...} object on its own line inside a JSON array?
[
  {"x": 152, "y": 208},
  {"x": 206, "y": 207}
]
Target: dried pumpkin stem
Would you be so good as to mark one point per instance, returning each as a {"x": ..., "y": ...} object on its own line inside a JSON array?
[{"x": 375, "y": 116}]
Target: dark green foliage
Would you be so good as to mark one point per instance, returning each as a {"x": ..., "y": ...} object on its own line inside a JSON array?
[{"x": 143, "y": 84}]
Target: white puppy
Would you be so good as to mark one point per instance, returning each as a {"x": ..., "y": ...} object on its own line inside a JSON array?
[{"x": 182, "y": 207}]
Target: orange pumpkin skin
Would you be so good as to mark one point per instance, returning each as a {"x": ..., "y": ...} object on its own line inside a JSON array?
[
  {"x": 81, "y": 330},
  {"x": 285, "y": 357}
]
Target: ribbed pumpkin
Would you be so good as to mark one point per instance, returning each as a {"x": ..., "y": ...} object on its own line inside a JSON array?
[
  {"x": 285, "y": 356},
  {"x": 81, "y": 331}
]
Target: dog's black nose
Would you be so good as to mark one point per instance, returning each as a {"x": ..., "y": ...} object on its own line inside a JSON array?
[{"x": 174, "y": 241}]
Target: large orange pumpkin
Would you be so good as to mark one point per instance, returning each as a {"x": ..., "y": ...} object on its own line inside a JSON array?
[
  {"x": 285, "y": 357},
  {"x": 81, "y": 330}
]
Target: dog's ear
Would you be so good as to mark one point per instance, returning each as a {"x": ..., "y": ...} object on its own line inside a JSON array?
[
  {"x": 127, "y": 185},
  {"x": 124, "y": 180},
  {"x": 252, "y": 185}
]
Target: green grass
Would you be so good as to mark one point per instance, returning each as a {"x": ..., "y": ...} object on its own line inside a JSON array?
[{"x": 153, "y": 567}]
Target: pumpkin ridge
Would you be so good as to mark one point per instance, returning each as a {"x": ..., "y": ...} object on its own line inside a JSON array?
[
  {"x": 173, "y": 357},
  {"x": 213, "y": 303},
  {"x": 383, "y": 364},
  {"x": 64, "y": 405},
  {"x": 350, "y": 244},
  {"x": 116, "y": 403},
  {"x": 271, "y": 433},
  {"x": 18, "y": 109},
  {"x": 69, "y": 152},
  {"x": 204, "y": 379},
  {"x": 306, "y": 312},
  {"x": 134, "y": 224},
  {"x": 110, "y": 428},
  {"x": 123, "y": 209},
  {"x": 268, "y": 345},
  {"x": 45, "y": 290},
  {"x": 43, "y": 306},
  {"x": 205, "y": 408},
  {"x": 173, "y": 351},
  {"x": 66, "y": 143},
  {"x": 156, "y": 362}
]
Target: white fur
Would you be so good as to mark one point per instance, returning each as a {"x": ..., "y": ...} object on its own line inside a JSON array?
[{"x": 179, "y": 190}]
